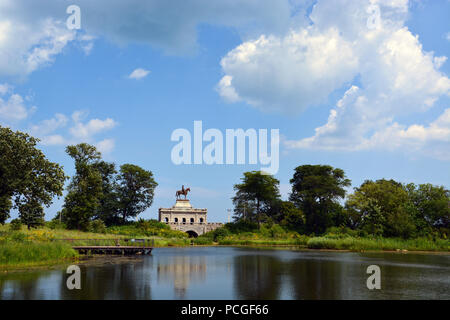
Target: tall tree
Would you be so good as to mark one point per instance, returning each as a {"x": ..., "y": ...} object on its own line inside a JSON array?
[
  {"x": 135, "y": 191},
  {"x": 108, "y": 206},
  {"x": 384, "y": 208},
  {"x": 27, "y": 178},
  {"x": 258, "y": 191},
  {"x": 85, "y": 189},
  {"x": 432, "y": 205},
  {"x": 31, "y": 214},
  {"x": 316, "y": 190}
]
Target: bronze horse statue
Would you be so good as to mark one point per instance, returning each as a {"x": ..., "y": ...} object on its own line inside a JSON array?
[{"x": 182, "y": 192}]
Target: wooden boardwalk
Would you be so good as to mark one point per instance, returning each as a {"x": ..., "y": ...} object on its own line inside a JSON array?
[
  {"x": 117, "y": 250},
  {"x": 111, "y": 246}
]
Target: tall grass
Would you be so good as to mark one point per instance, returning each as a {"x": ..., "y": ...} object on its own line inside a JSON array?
[
  {"x": 265, "y": 242},
  {"x": 358, "y": 244},
  {"x": 27, "y": 253}
]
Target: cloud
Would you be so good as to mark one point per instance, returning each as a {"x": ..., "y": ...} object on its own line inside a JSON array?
[
  {"x": 226, "y": 89},
  {"x": 106, "y": 146},
  {"x": 25, "y": 46},
  {"x": 288, "y": 74},
  {"x": 85, "y": 131},
  {"x": 434, "y": 139},
  {"x": 12, "y": 107},
  {"x": 4, "y": 89},
  {"x": 50, "y": 125},
  {"x": 379, "y": 63},
  {"x": 139, "y": 74},
  {"x": 54, "y": 132},
  {"x": 33, "y": 33}
]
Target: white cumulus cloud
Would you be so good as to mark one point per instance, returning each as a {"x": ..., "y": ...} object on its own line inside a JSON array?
[
  {"x": 382, "y": 66},
  {"x": 138, "y": 73},
  {"x": 12, "y": 106}
]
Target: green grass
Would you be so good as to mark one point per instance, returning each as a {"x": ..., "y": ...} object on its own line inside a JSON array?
[
  {"x": 146, "y": 230},
  {"x": 25, "y": 254},
  {"x": 259, "y": 242},
  {"x": 361, "y": 244}
]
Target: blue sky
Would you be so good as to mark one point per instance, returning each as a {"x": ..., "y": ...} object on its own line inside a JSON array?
[{"x": 374, "y": 102}]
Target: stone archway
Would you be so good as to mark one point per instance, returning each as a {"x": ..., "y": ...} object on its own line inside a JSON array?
[{"x": 192, "y": 234}]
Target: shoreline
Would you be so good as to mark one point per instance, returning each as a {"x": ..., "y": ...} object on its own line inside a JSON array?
[{"x": 54, "y": 264}]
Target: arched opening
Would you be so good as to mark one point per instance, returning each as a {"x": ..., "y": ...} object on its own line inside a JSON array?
[
  {"x": 201, "y": 220},
  {"x": 192, "y": 220},
  {"x": 166, "y": 220},
  {"x": 192, "y": 234},
  {"x": 184, "y": 220},
  {"x": 176, "y": 220}
]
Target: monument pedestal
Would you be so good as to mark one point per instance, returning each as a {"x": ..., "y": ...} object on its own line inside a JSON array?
[{"x": 184, "y": 217}]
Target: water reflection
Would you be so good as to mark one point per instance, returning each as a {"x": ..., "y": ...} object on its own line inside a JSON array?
[
  {"x": 257, "y": 276},
  {"x": 180, "y": 271},
  {"x": 240, "y": 273}
]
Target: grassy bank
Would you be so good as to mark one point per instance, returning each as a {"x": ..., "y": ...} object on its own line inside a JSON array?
[
  {"x": 26, "y": 254},
  {"x": 27, "y": 248},
  {"x": 349, "y": 243},
  {"x": 46, "y": 246},
  {"x": 381, "y": 244},
  {"x": 335, "y": 239}
]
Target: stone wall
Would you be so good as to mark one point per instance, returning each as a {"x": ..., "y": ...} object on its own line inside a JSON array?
[
  {"x": 197, "y": 228},
  {"x": 183, "y": 217}
]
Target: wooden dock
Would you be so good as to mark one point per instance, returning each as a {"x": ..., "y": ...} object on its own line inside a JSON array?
[
  {"x": 111, "y": 246},
  {"x": 114, "y": 250}
]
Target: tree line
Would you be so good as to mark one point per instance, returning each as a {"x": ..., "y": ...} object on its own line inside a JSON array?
[
  {"x": 98, "y": 191},
  {"x": 316, "y": 203}
]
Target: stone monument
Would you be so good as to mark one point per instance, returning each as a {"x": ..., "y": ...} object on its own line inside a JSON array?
[{"x": 184, "y": 217}]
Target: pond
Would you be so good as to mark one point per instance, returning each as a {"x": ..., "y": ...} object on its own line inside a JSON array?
[{"x": 240, "y": 273}]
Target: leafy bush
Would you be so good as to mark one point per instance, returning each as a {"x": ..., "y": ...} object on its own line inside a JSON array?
[
  {"x": 241, "y": 226},
  {"x": 220, "y": 233},
  {"x": 202, "y": 241},
  {"x": 149, "y": 224},
  {"x": 15, "y": 225},
  {"x": 98, "y": 226},
  {"x": 55, "y": 224}
]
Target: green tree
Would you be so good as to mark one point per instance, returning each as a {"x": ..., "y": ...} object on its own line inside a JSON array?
[
  {"x": 108, "y": 202},
  {"x": 85, "y": 190},
  {"x": 383, "y": 206},
  {"x": 27, "y": 178},
  {"x": 316, "y": 190},
  {"x": 31, "y": 214},
  {"x": 257, "y": 191},
  {"x": 432, "y": 206},
  {"x": 135, "y": 191},
  {"x": 292, "y": 217}
]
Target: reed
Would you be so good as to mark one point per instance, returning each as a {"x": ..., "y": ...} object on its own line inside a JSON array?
[
  {"x": 22, "y": 254},
  {"x": 388, "y": 244}
]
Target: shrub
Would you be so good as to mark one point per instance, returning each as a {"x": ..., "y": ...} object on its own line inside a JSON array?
[
  {"x": 56, "y": 224},
  {"x": 241, "y": 226},
  {"x": 98, "y": 226},
  {"x": 220, "y": 233},
  {"x": 15, "y": 225},
  {"x": 202, "y": 241}
]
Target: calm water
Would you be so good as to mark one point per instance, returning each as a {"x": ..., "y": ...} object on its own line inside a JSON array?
[{"x": 241, "y": 273}]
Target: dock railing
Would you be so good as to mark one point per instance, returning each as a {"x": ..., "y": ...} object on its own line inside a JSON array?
[{"x": 110, "y": 242}]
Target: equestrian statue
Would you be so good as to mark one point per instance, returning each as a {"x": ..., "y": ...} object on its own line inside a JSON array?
[{"x": 183, "y": 191}]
